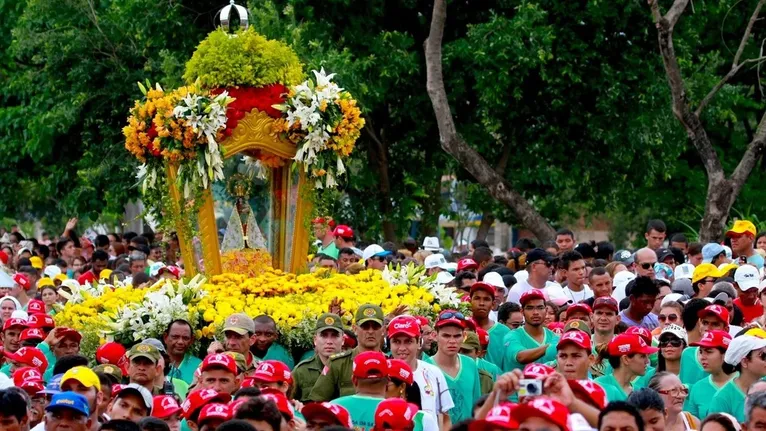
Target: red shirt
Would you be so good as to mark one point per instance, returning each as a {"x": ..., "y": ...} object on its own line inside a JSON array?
[{"x": 751, "y": 312}]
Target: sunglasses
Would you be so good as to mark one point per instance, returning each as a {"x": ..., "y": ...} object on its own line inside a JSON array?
[
  {"x": 646, "y": 265},
  {"x": 669, "y": 317},
  {"x": 671, "y": 343},
  {"x": 547, "y": 264},
  {"x": 452, "y": 315}
]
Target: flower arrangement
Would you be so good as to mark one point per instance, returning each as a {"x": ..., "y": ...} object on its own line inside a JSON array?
[
  {"x": 324, "y": 122},
  {"x": 249, "y": 262},
  {"x": 183, "y": 128},
  {"x": 128, "y": 315}
]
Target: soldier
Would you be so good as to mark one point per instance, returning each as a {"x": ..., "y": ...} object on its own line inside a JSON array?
[
  {"x": 335, "y": 380},
  {"x": 328, "y": 341}
]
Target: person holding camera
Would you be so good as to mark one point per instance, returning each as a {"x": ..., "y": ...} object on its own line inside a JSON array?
[{"x": 628, "y": 355}]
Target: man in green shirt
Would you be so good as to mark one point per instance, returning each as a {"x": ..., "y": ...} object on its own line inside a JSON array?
[
  {"x": 328, "y": 341},
  {"x": 323, "y": 228},
  {"x": 144, "y": 368},
  {"x": 335, "y": 379},
  {"x": 748, "y": 354},
  {"x": 370, "y": 378},
  {"x": 532, "y": 342},
  {"x": 238, "y": 330},
  {"x": 178, "y": 339},
  {"x": 712, "y": 317},
  {"x": 59, "y": 342},
  {"x": 265, "y": 346},
  {"x": 482, "y": 300},
  {"x": 460, "y": 371}
]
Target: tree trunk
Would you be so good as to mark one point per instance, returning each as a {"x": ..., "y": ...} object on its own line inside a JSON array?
[
  {"x": 454, "y": 144},
  {"x": 378, "y": 154},
  {"x": 486, "y": 222}
]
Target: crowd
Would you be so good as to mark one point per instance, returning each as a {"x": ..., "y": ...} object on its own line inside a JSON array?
[{"x": 559, "y": 337}]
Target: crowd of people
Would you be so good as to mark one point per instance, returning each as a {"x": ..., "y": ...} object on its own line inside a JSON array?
[{"x": 558, "y": 336}]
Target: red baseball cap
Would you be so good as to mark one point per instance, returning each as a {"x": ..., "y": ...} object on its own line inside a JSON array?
[
  {"x": 29, "y": 356},
  {"x": 557, "y": 327},
  {"x": 717, "y": 311},
  {"x": 87, "y": 277},
  {"x": 197, "y": 399},
  {"x": 234, "y": 405},
  {"x": 423, "y": 321},
  {"x": 641, "y": 332},
  {"x": 714, "y": 338},
  {"x": 176, "y": 271},
  {"x": 69, "y": 333},
  {"x": 578, "y": 338},
  {"x": 26, "y": 373},
  {"x": 317, "y": 410},
  {"x": 470, "y": 324},
  {"x": 14, "y": 322},
  {"x": 42, "y": 321},
  {"x": 349, "y": 341},
  {"x": 530, "y": 295},
  {"x": 32, "y": 387},
  {"x": 110, "y": 353},
  {"x": 35, "y": 306},
  {"x": 273, "y": 371},
  {"x": 400, "y": 370},
  {"x": 283, "y": 404},
  {"x": 219, "y": 360},
  {"x": 537, "y": 371},
  {"x": 248, "y": 382},
  {"x": 606, "y": 301},
  {"x": 116, "y": 389},
  {"x": 626, "y": 344},
  {"x": 581, "y": 307},
  {"x": 450, "y": 317},
  {"x": 343, "y": 231},
  {"x": 544, "y": 408},
  {"x": 483, "y": 337},
  {"x": 394, "y": 413},
  {"x": 480, "y": 285},
  {"x": 22, "y": 280},
  {"x": 214, "y": 411},
  {"x": 467, "y": 263},
  {"x": 3, "y": 257},
  {"x": 370, "y": 365},
  {"x": 406, "y": 325},
  {"x": 164, "y": 406},
  {"x": 590, "y": 390},
  {"x": 499, "y": 417}
]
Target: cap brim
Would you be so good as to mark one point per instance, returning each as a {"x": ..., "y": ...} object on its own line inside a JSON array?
[
  {"x": 143, "y": 355},
  {"x": 648, "y": 350},
  {"x": 314, "y": 410},
  {"x": 450, "y": 322},
  {"x": 52, "y": 408},
  {"x": 47, "y": 392},
  {"x": 369, "y": 319},
  {"x": 705, "y": 344},
  {"x": 135, "y": 391},
  {"x": 563, "y": 342},
  {"x": 240, "y": 331},
  {"x": 381, "y": 254},
  {"x": 318, "y": 330}
]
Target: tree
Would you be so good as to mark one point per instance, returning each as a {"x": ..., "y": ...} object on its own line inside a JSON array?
[{"x": 722, "y": 191}]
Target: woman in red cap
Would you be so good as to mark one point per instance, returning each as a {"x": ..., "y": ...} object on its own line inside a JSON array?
[
  {"x": 628, "y": 355},
  {"x": 712, "y": 348}
]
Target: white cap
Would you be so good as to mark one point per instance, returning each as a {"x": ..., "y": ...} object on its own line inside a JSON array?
[
  {"x": 741, "y": 346},
  {"x": 672, "y": 297},
  {"x": 621, "y": 279},
  {"x": 451, "y": 267},
  {"x": 431, "y": 243},
  {"x": 747, "y": 277},
  {"x": 762, "y": 286},
  {"x": 444, "y": 277},
  {"x": 19, "y": 314},
  {"x": 51, "y": 271},
  {"x": 685, "y": 270},
  {"x": 23, "y": 250},
  {"x": 436, "y": 260},
  {"x": 676, "y": 330},
  {"x": 6, "y": 280},
  {"x": 495, "y": 280},
  {"x": 374, "y": 250},
  {"x": 155, "y": 268}
]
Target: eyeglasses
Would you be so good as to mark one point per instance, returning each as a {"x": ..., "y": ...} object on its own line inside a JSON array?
[
  {"x": 675, "y": 392},
  {"x": 669, "y": 317},
  {"x": 647, "y": 265},
  {"x": 537, "y": 308},
  {"x": 671, "y": 343},
  {"x": 451, "y": 315}
]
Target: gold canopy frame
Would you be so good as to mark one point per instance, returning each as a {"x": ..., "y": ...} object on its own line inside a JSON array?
[{"x": 289, "y": 209}]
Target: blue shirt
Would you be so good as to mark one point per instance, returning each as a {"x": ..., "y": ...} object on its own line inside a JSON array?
[
  {"x": 649, "y": 321},
  {"x": 756, "y": 260}
]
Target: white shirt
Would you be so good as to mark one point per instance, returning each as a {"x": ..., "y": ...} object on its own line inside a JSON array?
[
  {"x": 552, "y": 290},
  {"x": 576, "y": 297},
  {"x": 432, "y": 382},
  {"x": 39, "y": 427}
]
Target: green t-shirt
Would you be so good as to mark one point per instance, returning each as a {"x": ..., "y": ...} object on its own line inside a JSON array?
[
  {"x": 331, "y": 250},
  {"x": 729, "y": 399},
  {"x": 518, "y": 339},
  {"x": 50, "y": 357},
  {"x": 277, "y": 352},
  {"x": 691, "y": 369},
  {"x": 496, "y": 348},
  {"x": 186, "y": 368},
  {"x": 6, "y": 369},
  {"x": 361, "y": 409},
  {"x": 701, "y": 396},
  {"x": 465, "y": 389},
  {"x": 614, "y": 392},
  {"x": 489, "y": 367}
]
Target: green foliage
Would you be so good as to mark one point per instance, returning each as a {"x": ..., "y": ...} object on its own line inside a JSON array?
[{"x": 246, "y": 58}]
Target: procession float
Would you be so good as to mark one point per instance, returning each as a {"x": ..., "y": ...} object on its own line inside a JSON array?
[{"x": 231, "y": 162}]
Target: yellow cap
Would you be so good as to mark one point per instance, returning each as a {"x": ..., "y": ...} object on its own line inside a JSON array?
[
  {"x": 742, "y": 226},
  {"x": 704, "y": 270},
  {"x": 60, "y": 277},
  {"x": 724, "y": 268},
  {"x": 37, "y": 263},
  {"x": 84, "y": 375},
  {"x": 104, "y": 274},
  {"x": 756, "y": 332},
  {"x": 45, "y": 281}
]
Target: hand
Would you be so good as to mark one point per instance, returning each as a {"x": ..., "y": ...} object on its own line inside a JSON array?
[
  {"x": 335, "y": 307},
  {"x": 54, "y": 337},
  {"x": 298, "y": 424},
  {"x": 398, "y": 311},
  {"x": 508, "y": 383},
  {"x": 556, "y": 387},
  {"x": 215, "y": 347},
  {"x": 297, "y": 405},
  {"x": 70, "y": 224}
]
